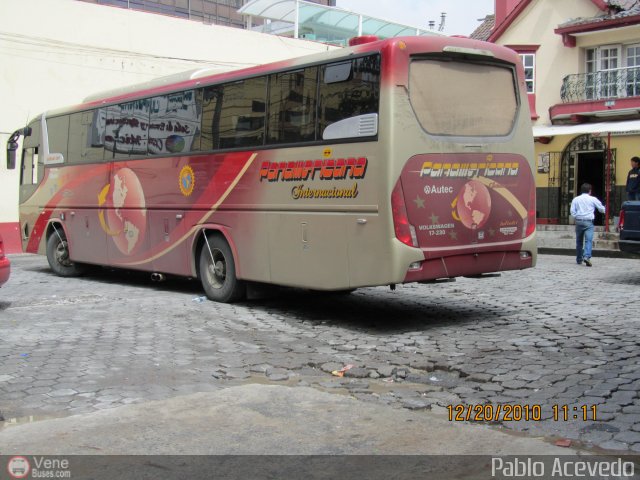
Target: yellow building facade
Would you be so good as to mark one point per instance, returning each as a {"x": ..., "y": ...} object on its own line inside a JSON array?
[{"x": 582, "y": 65}]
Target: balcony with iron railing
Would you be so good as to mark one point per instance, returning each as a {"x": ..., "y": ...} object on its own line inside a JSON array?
[
  {"x": 617, "y": 83},
  {"x": 610, "y": 93}
]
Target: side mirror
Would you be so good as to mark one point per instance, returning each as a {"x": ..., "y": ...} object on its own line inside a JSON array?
[{"x": 12, "y": 147}]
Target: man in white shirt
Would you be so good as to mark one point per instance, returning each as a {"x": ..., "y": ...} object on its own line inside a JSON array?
[{"x": 583, "y": 208}]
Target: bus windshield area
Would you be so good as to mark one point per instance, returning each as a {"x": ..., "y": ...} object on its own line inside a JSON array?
[{"x": 476, "y": 99}]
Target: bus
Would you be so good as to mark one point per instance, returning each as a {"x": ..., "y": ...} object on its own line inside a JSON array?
[{"x": 390, "y": 161}]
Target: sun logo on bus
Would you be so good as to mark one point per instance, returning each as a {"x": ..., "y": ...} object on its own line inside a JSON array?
[{"x": 186, "y": 180}]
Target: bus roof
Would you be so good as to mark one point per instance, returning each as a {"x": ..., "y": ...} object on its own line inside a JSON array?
[
  {"x": 204, "y": 76},
  {"x": 156, "y": 83}
]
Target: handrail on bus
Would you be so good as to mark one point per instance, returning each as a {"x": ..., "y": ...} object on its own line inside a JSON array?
[{"x": 12, "y": 146}]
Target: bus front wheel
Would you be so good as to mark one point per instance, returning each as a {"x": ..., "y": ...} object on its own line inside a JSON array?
[
  {"x": 218, "y": 271},
  {"x": 58, "y": 256}
]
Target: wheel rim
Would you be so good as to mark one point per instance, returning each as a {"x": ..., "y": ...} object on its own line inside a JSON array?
[
  {"x": 62, "y": 254},
  {"x": 216, "y": 269}
]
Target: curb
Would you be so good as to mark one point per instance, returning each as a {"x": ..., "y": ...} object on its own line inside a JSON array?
[{"x": 596, "y": 253}]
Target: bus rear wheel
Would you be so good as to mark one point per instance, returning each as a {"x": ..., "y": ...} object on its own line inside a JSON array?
[
  {"x": 58, "y": 256},
  {"x": 218, "y": 271}
]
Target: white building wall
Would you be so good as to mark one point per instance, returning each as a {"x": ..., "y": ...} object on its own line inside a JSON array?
[{"x": 56, "y": 52}]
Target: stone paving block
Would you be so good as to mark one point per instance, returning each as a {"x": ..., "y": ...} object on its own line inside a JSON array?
[
  {"x": 37, "y": 390},
  {"x": 387, "y": 370},
  {"x": 62, "y": 392},
  {"x": 629, "y": 437},
  {"x": 480, "y": 377},
  {"x": 357, "y": 372},
  {"x": 416, "y": 404},
  {"x": 14, "y": 395},
  {"x": 236, "y": 373}
]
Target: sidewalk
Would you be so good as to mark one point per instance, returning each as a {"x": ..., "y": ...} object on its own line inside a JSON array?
[
  {"x": 269, "y": 420},
  {"x": 561, "y": 240}
]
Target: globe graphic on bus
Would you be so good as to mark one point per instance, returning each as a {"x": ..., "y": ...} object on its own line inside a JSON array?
[
  {"x": 126, "y": 212},
  {"x": 474, "y": 204}
]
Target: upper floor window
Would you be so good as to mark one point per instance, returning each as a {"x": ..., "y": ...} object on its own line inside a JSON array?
[
  {"x": 612, "y": 71},
  {"x": 633, "y": 70},
  {"x": 529, "y": 63},
  {"x": 527, "y": 55}
]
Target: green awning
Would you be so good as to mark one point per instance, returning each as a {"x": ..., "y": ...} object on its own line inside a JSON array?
[{"x": 323, "y": 23}]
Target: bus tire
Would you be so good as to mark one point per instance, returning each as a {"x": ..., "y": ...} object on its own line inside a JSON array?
[
  {"x": 58, "y": 256},
  {"x": 218, "y": 274}
]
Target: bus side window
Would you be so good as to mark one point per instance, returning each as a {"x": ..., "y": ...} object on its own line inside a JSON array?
[
  {"x": 243, "y": 112},
  {"x": 292, "y": 106},
  {"x": 338, "y": 72},
  {"x": 127, "y": 130},
  {"x": 31, "y": 172},
  {"x": 58, "y": 133},
  {"x": 86, "y": 136},
  {"x": 211, "y": 110},
  {"x": 343, "y": 96},
  {"x": 174, "y": 124}
]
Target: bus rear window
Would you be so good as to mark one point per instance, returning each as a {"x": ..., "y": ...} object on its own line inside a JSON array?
[{"x": 463, "y": 98}]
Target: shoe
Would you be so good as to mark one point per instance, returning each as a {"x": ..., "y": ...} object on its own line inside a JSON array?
[
  {"x": 579, "y": 262},
  {"x": 587, "y": 262}
]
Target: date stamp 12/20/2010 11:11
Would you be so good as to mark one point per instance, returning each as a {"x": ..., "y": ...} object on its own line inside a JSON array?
[{"x": 519, "y": 412}]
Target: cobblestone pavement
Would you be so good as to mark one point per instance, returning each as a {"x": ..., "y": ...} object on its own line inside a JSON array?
[{"x": 528, "y": 343}]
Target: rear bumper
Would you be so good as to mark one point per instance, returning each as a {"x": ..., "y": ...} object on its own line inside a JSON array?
[
  {"x": 469, "y": 264},
  {"x": 5, "y": 270}
]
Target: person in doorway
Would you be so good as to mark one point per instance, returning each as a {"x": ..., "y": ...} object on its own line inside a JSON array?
[
  {"x": 633, "y": 180},
  {"x": 583, "y": 208}
]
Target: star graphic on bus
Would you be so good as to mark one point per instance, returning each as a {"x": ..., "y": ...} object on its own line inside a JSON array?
[
  {"x": 419, "y": 201},
  {"x": 434, "y": 219}
]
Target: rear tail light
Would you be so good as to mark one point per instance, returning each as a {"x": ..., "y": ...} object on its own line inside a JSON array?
[
  {"x": 1, "y": 248},
  {"x": 405, "y": 232}
]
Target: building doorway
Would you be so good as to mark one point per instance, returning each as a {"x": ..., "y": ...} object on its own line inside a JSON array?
[
  {"x": 590, "y": 169},
  {"x": 585, "y": 161}
]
